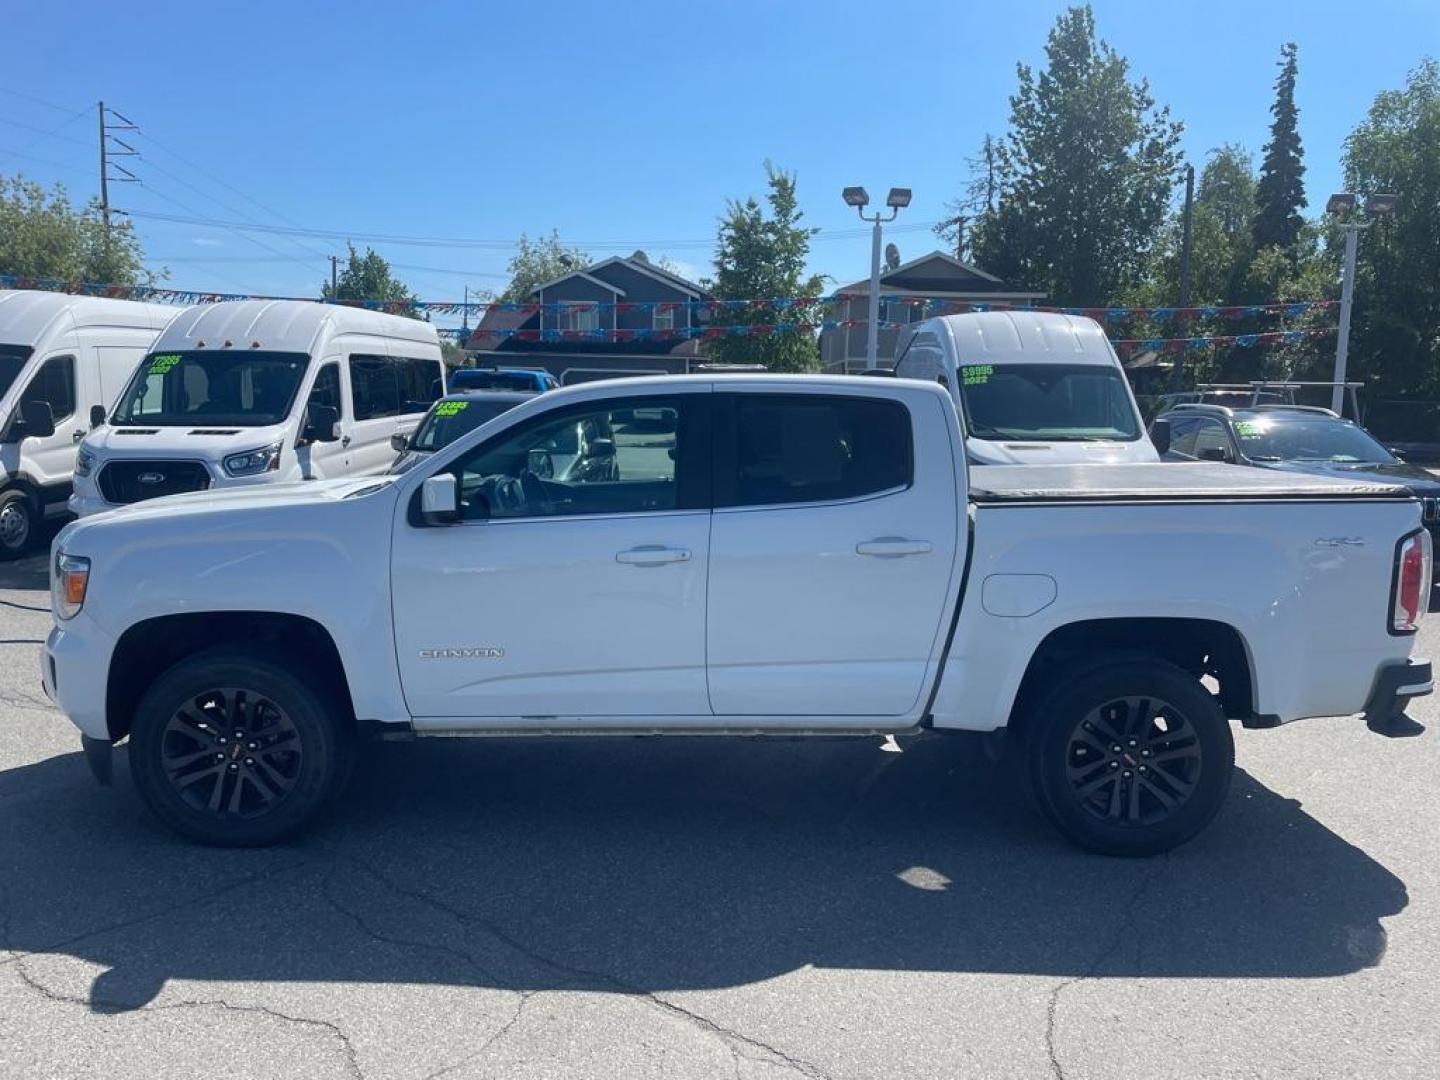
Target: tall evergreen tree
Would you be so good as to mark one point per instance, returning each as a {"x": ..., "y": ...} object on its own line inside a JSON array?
[
  {"x": 760, "y": 256},
  {"x": 1280, "y": 194},
  {"x": 1085, "y": 174}
]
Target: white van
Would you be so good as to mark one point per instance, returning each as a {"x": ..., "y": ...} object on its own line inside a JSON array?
[
  {"x": 259, "y": 391},
  {"x": 1032, "y": 387},
  {"x": 61, "y": 356}
]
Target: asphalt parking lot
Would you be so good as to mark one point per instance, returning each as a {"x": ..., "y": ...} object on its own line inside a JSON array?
[{"x": 715, "y": 908}]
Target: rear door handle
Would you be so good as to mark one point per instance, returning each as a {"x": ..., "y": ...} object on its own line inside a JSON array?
[
  {"x": 892, "y": 547},
  {"x": 652, "y": 555}
]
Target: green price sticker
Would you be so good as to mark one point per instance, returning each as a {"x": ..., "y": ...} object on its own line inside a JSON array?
[
  {"x": 976, "y": 374},
  {"x": 159, "y": 365},
  {"x": 451, "y": 408},
  {"x": 1246, "y": 429}
]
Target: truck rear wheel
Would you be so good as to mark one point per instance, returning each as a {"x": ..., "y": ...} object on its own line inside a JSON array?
[
  {"x": 17, "y": 523},
  {"x": 1132, "y": 758},
  {"x": 234, "y": 749}
]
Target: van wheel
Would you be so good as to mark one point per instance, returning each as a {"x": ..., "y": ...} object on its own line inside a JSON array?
[
  {"x": 235, "y": 749},
  {"x": 17, "y": 523},
  {"x": 1133, "y": 758}
]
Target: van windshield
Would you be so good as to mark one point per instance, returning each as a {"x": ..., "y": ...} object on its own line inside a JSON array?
[
  {"x": 1049, "y": 402},
  {"x": 12, "y": 362},
  {"x": 209, "y": 388}
]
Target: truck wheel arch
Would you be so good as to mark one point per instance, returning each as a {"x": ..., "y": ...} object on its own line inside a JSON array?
[
  {"x": 152, "y": 646},
  {"x": 1199, "y": 646}
]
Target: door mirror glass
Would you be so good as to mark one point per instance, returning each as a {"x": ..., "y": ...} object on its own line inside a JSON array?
[
  {"x": 322, "y": 423},
  {"x": 1212, "y": 453},
  {"x": 399, "y": 442},
  {"x": 440, "y": 500},
  {"x": 97, "y": 416},
  {"x": 38, "y": 420},
  {"x": 602, "y": 448},
  {"x": 1160, "y": 435}
]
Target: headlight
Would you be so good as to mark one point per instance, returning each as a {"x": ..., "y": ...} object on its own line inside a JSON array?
[
  {"x": 252, "y": 462},
  {"x": 84, "y": 462},
  {"x": 68, "y": 581}
]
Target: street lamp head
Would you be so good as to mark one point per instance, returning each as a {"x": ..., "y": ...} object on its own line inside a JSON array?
[
  {"x": 1380, "y": 204},
  {"x": 1342, "y": 202},
  {"x": 857, "y": 197},
  {"x": 898, "y": 199}
]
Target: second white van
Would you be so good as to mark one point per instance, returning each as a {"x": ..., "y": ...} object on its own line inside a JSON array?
[
  {"x": 258, "y": 391},
  {"x": 1032, "y": 387},
  {"x": 61, "y": 357}
]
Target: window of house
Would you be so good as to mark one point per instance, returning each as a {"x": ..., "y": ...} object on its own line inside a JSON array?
[
  {"x": 664, "y": 318},
  {"x": 579, "y": 316},
  {"x": 896, "y": 312},
  {"x": 53, "y": 383},
  {"x": 799, "y": 448}
]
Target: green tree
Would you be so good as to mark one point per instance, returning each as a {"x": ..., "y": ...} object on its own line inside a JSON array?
[
  {"x": 1085, "y": 174},
  {"x": 538, "y": 261},
  {"x": 1396, "y": 320},
  {"x": 1280, "y": 194},
  {"x": 764, "y": 256},
  {"x": 368, "y": 277},
  {"x": 43, "y": 235}
]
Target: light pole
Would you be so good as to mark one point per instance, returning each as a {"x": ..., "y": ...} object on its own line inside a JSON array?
[
  {"x": 1342, "y": 206},
  {"x": 897, "y": 200}
]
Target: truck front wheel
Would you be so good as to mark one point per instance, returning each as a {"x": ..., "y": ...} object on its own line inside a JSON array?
[
  {"x": 235, "y": 749},
  {"x": 1131, "y": 758}
]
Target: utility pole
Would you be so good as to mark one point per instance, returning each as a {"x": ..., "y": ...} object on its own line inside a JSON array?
[
  {"x": 108, "y": 154},
  {"x": 334, "y": 277},
  {"x": 104, "y": 175},
  {"x": 1177, "y": 373}
]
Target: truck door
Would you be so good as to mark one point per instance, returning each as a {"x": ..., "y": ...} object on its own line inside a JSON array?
[
  {"x": 577, "y": 596},
  {"x": 834, "y": 541}
]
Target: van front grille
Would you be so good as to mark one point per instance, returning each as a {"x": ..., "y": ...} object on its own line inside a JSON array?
[{"x": 136, "y": 481}]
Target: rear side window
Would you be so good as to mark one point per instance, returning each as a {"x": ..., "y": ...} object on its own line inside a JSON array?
[
  {"x": 794, "y": 448},
  {"x": 392, "y": 385}
]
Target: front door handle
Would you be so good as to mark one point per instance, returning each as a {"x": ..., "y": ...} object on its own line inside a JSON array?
[
  {"x": 79, "y": 434},
  {"x": 892, "y": 547},
  {"x": 652, "y": 555},
  {"x": 344, "y": 440}
]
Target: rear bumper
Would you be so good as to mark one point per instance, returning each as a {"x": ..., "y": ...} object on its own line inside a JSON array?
[{"x": 1395, "y": 685}]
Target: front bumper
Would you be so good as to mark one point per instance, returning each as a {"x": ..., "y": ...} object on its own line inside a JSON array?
[
  {"x": 85, "y": 505},
  {"x": 1395, "y": 686},
  {"x": 73, "y": 668}
]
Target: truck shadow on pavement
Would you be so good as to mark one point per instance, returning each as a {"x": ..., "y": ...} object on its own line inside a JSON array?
[{"x": 646, "y": 867}]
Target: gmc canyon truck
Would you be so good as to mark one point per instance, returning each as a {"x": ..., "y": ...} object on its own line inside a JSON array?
[{"x": 746, "y": 555}]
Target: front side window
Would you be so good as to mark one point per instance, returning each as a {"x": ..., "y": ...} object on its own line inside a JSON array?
[
  {"x": 54, "y": 384},
  {"x": 620, "y": 457},
  {"x": 1308, "y": 438},
  {"x": 392, "y": 386},
  {"x": 1049, "y": 402},
  {"x": 1212, "y": 437},
  {"x": 793, "y": 448},
  {"x": 1182, "y": 436},
  {"x": 209, "y": 387},
  {"x": 326, "y": 390}
]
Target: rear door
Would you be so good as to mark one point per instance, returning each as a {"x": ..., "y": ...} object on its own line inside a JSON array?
[{"x": 833, "y": 544}]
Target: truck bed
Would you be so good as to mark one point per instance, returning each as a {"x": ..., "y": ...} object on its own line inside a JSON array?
[{"x": 1164, "y": 482}]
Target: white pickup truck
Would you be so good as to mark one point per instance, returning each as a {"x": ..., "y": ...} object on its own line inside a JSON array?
[{"x": 778, "y": 555}]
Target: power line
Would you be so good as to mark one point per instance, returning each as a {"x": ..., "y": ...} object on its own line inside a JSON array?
[
  {"x": 45, "y": 161},
  {"x": 36, "y": 100}
]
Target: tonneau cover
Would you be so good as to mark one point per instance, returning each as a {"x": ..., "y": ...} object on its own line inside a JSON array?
[{"x": 1163, "y": 482}]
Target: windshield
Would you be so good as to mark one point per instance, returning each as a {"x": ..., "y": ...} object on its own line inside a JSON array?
[
  {"x": 494, "y": 380},
  {"x": 1317, "y": 438},
  {"x": 12, "y": 362},
  {"x": 210, "y": 388},
  {"x": 1050, "y": 402},
  {"x": 448, "y": 420}
]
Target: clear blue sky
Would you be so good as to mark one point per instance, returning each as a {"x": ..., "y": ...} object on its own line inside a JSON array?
[{"x": 627, "y": 124}]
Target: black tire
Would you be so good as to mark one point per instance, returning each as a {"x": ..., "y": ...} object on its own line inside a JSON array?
[
  {"x": 285, "y": 767},
  {"x": 1131, "y": 758},
  {"x": 18, "y": 522}
]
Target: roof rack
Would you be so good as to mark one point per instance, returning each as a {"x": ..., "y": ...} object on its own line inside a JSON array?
[
  {"x": 1202, "y": 406},
  {"x": 1295, "y": 408}
]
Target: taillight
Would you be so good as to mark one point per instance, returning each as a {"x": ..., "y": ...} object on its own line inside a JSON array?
[{"x": 1412, "y": 583}]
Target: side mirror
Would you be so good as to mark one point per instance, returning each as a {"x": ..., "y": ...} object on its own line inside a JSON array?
[
  {"x": 541, "y": 464},
  {"x": 399, "y": 442},
  {"x": 1160, "y": 435},
  {"x": 1213, "y": 453},
  {"x": 38, "y": 418},
  {"x": 440, "y": 500},
  {"x": 1395, "y": 453},
  {"x": 322, "y": 423},
  {"x": 97, "y": 416}
]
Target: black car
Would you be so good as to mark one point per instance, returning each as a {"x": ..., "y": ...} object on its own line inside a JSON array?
[
  {"x": 1294, "y": 438},
  {"x": 449, "y": 418}
]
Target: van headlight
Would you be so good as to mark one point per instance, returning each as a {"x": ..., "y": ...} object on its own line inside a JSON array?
[
  {"x": 84, "y": 462},
  {"x": 68, "y": 581},
  {"x": 254, "y": 462}
]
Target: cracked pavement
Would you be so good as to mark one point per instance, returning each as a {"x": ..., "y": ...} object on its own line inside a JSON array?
[{"x": 715, "y": 908}]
